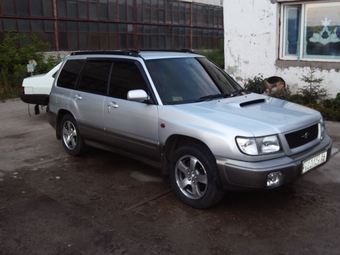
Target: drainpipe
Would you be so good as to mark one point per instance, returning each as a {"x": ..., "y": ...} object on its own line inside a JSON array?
[
  {"x": 191, "y": 26},
  {"x": 55, "y": 24}
]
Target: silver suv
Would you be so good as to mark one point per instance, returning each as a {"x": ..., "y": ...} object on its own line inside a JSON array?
[{"x": 181, "y": 113}]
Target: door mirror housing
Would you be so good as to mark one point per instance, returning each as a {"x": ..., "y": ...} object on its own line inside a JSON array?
[{"x": 137, "y": 95}]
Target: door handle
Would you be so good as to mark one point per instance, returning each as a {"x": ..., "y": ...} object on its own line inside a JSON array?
[
  {"x": 77, "y": 97},
  {"x": 110, "y": 105}
]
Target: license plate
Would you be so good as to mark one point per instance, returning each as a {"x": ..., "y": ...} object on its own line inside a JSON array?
[{"x": 314, "y": 161}]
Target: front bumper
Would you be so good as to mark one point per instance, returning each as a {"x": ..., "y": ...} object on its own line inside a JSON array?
[{"x": 239, "y": 174}]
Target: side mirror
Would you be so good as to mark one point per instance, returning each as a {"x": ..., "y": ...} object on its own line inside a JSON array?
[{"x": 137, "y": 95}]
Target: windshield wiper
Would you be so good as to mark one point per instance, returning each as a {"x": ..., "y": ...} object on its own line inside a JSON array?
[
  {"x": 215, "y": 96},
  {"x": 211, "y": 97},
  {"x": 236, "y": 92}
]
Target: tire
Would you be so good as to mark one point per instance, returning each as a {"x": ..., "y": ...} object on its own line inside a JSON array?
[
  {"x": 194, "y": 176},
  {"x": 73, "y": 142}
]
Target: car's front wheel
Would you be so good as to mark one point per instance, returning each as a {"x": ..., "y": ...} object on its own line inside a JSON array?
[
  {"x": 194, "y": 176},
  {"x": 72, "y": 141}
]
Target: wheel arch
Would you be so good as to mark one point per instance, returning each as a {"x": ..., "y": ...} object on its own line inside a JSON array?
[
  {"x": 60, "y": 116},
  {"x": 194, "y": 174},
  {"x": 172, "y": 144}
]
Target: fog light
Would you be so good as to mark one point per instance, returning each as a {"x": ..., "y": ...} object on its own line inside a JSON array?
[{"x": 274, "y": 179}]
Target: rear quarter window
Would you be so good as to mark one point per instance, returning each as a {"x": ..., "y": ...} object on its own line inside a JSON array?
[{"x": 69, "y": 74}]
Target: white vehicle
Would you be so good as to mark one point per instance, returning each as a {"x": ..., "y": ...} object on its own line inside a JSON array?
[{"x": 36, "y": 89}]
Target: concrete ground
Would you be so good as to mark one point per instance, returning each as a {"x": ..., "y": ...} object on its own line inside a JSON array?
[{"x": 103, "y": 203}]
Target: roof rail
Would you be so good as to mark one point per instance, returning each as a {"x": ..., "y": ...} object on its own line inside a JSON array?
[
  {"x": 134, "y": 53},
  {"x": 169, "y": 50},
  {"x": 188, "y": 50}
]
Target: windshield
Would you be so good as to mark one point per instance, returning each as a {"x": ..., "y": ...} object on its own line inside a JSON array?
[{"x": 184, "y": 80}]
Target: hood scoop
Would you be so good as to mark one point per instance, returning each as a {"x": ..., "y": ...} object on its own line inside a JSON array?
[{"x": 252, "y": 102}]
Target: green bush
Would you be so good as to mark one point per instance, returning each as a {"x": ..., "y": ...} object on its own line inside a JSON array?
[
  {"x": 15, "y": 52},
  {"x": 255, "y": 84},
  {"x": 297, "y": 98},
  {"x": 285, "y": 94},
  {"x": 328, "y": 113},
  {"x": 332, "y": 103}
]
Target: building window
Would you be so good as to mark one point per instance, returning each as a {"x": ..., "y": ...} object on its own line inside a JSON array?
[
  {"x": 311, "y": 31},
  {"x": 115, "y": 24}
]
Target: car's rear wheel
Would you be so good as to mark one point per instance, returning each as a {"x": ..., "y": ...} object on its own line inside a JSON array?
[
  {"x": 72, "y": 141},
  {"x": 194, "y": 176}
]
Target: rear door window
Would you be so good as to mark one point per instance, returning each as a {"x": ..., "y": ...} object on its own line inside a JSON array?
[{"x": 95, "y": 77}]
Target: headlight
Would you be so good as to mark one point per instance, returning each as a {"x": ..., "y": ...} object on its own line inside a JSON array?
[
  {"x": 247, "y": 145},
  {"x": 270, "y": 144},
  {"x": 258, "y": 146}
]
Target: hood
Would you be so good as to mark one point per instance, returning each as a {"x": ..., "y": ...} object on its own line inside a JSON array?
[{"x": 253, "y": 113}]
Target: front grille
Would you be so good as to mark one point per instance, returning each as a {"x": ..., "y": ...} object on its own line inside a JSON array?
[{"x": 302, "y": 136}]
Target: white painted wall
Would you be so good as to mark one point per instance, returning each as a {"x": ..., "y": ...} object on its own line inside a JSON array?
[{"x": 251, "y": 43}]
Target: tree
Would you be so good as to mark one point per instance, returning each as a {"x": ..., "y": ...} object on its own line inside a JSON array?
[
  {"x": 15, "y": 52},
  {"x": 313, "y": 92}
]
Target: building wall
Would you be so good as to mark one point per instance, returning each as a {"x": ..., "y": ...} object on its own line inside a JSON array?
[
  {"x": 208, "y": 2},
  {"x": 252, "y": 47},
  {"x": 115, "y": 24}
]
